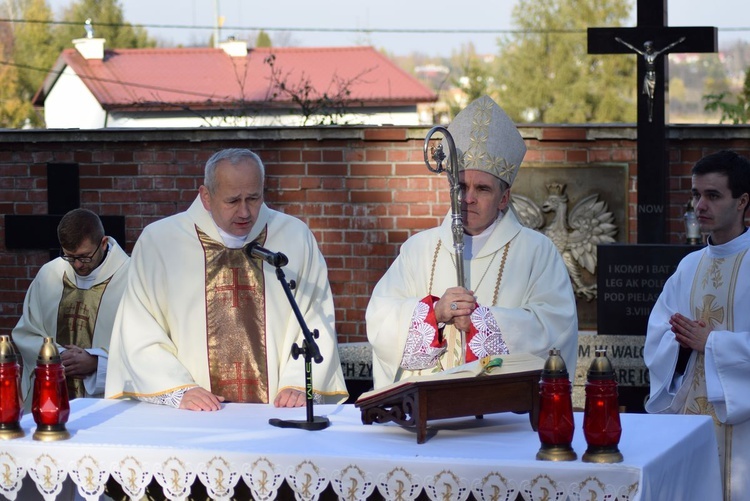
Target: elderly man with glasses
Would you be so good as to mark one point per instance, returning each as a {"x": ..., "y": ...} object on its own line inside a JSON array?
[{"x": 73, "y": 299}]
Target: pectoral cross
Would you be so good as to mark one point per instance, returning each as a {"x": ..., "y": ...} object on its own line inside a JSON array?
[{"x": 650, "y": 39}]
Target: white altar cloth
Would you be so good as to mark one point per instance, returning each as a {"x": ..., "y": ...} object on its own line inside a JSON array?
[{"x": 666, "y": 456}]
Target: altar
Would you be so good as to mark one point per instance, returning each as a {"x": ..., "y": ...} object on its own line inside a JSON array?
[{"x": 666, "y": 456}]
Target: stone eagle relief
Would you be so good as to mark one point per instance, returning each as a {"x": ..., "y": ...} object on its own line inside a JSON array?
[{"x": 576, "y": 235}]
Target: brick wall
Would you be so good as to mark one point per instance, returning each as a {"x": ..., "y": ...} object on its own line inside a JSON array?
[{"x": 362, "y": 190}]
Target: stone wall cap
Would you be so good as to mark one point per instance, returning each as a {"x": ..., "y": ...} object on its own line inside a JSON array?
[{"x": 356, "y": 132}]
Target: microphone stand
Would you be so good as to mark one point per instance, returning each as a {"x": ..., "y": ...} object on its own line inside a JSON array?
[{"x": 311, "y": 352}]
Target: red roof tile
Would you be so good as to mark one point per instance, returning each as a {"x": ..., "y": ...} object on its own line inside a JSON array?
[{"x": 207, "y": 78}]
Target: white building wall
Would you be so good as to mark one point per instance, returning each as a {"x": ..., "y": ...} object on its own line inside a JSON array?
[
  {"x": 133, "y": 121},
  {"x": 70, "y": 105}
]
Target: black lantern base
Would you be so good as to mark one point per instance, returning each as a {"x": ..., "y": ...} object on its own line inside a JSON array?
[
  {"x": 9, "y": 431},
  {"x": 51, "y": 433},
  {"x": 602, "y": 454},
  {"x": 562, "y": 452}
]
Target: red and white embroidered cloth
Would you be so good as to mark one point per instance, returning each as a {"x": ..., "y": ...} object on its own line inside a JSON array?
[{"x": 425, "y": 342}]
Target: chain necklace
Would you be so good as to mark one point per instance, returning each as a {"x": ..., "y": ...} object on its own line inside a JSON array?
[
  {"x": 486, "y": 269},
  {"x": 499, "y": 273}
]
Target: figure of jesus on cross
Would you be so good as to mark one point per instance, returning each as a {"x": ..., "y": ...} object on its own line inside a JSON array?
[
  {"x": 645, "y": 40},
  {"x": 649, "y": 79}
]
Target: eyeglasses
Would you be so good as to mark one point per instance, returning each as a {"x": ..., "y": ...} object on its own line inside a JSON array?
[{"x": 80, "y": 259}]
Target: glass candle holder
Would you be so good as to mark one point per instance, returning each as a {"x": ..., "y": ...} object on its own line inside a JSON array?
[
  {"x": 50, "y": 405},
  {"x": 601, "y": 416},
  {"x": 11, "y": 403},
  {"x": 556, "y": 425}
]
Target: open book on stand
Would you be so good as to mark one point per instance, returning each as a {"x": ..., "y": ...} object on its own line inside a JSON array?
[
  {"x": 492, "y": 365},
  {"x": 500, "y": 383}
]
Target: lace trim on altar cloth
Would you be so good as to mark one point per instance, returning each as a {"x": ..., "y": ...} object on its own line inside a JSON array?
[
  {"x": 171, "y": 399},
  {"x": 264, "y": 476}
]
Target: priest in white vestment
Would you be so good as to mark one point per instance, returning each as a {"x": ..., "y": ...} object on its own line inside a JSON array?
[
  {"x": 698, "y": 341},
  {"x": 73, "y": 299},
  {"x": 517, "y": 296},
  {"x": 202, "y": 322}
]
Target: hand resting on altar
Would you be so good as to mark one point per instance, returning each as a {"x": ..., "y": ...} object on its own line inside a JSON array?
[
  {"x": 289, "y": 397},
  {"x": 200, "y": 399}
]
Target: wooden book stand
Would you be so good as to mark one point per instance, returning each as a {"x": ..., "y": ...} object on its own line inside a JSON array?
[{"x": 415, "y": 403}]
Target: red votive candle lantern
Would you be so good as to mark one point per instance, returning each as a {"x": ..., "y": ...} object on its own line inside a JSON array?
[
  {"x": 556, "y": 425},
  {"x": 601, "y": 416},
  {"x": 11, "y": 403},
  {"x": 50, "y": 405}
]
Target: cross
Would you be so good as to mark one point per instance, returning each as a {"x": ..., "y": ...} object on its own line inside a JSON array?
[
  {"x": 709, "y": 313},
  {"x": 238, "y": 381},
  {"x": 76, "y": 316},
  {"x": 652, "y": 40},
  {"x": 235, "y": 287},
  {"x": 39, "y": 231}
]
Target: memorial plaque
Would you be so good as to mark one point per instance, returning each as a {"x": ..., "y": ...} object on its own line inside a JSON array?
[
  {"x": 626, "y": 355},
  {"x": 356, "y": 364},
  {"x": 608, "y": 182},
  {"x": 630, "y": 279}
]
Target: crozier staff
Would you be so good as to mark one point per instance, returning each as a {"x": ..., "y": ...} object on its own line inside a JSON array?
[
  {"x": 201, "y": 322},
  {"x": 517, "y": 296}
]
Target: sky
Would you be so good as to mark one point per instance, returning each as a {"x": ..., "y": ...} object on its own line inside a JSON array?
[{"x": 435, "y": 19}]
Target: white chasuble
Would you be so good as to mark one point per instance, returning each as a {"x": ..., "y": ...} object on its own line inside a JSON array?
[
  {"x": 76, "y": 322},
  {"x": 711, "y": 285},
  {"x": 523, "y": 293},
  {"x": 235, "y": 324},
  {"x": 51, "y": 309},
  {"x": 712, "y": 300},
  {"x": 167, "y": 338}
]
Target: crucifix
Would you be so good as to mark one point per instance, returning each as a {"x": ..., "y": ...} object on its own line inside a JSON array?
[
  {"x": 39, "y": 231},
  {"x": 652, "y": 40}
]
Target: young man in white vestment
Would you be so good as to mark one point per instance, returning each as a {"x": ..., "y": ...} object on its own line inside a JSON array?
[
  {"x": 73, "y": 299},
  {"x": 698, "y": 341},
  {"x": 202, "y": 322},
  {"x": 517, "y": 296}
]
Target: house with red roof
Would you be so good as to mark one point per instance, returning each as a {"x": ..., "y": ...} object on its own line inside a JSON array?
[{"x": 90, "y": 87}]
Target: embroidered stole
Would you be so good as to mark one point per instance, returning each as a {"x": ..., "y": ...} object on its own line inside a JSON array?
[
  {"x": 76, "y": 321},
  {"x": 712, "y": 300},
  {"x": 235, "y": 318}
]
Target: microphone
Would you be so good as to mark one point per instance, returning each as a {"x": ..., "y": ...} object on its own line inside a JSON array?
[{"x": 276, "y": 259}]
